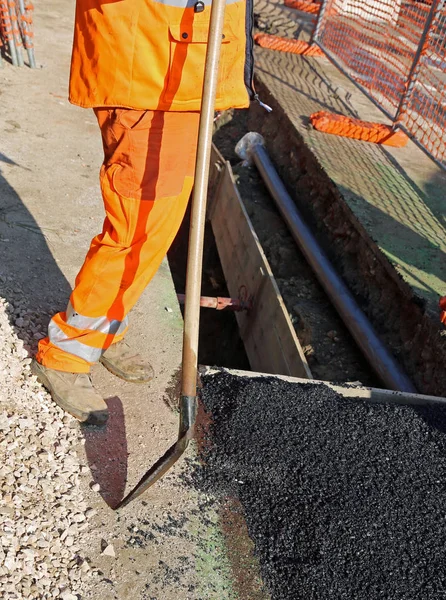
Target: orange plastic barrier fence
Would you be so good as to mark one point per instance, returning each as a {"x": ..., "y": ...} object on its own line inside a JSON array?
[
  {"x": 356, "y": 129},
  {"x": 395, "y": 50},
  {"x": 6, "y": 32},
  {"x": 16, "y": 31},
  {"x": 304, "y": 6},
  {"x": 274, "y": 42}
]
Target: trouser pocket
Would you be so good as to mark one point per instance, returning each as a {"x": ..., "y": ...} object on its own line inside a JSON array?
[{"x": 148, "y": 153}]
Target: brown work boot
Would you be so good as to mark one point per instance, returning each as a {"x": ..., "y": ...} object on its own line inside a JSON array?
[
  {"x": 123, "y": 362},
  {"x": 74, "y": 393}
]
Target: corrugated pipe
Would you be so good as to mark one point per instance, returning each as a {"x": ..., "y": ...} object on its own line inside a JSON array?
[{"x": 252, "y": 148}]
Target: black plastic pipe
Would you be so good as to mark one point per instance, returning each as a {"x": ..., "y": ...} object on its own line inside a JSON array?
[{"x": 251, "y": 147}]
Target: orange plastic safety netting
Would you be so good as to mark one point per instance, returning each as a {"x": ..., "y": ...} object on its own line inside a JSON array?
[
  {"x": 16, "y": 31},
  {"x": 396, "y": 51},
  {"x": 377, "y": 133},
  {"x": 423, "y": 110},
  {"x": 304, "y": 5},
  {"x": 274, "y": 42}
]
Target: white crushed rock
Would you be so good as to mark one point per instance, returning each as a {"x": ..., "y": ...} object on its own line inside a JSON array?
[
  {"x": 42, "y": 511},
  {"x": 109, "y": 551}
]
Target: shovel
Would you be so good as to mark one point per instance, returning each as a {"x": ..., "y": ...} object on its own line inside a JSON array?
[{"x": 188, "y": 401}]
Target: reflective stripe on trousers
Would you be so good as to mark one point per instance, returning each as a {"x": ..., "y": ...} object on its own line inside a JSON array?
[
  {"x": 58, "y": 337},
  {"x": 146, "y": 181}
]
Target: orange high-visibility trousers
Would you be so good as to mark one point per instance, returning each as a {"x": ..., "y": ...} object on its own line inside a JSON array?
[{"x": 146, "y": 181}]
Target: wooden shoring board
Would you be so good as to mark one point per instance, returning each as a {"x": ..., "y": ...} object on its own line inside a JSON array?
[
  {"x": 267, "y": 332},
  {"x": 218, "y": 165}
]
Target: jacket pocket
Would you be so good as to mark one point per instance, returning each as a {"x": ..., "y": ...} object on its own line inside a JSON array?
[{"x": 188, "y": 45}]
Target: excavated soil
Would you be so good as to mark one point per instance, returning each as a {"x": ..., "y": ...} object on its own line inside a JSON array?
[{"x": 343, "y": 499}]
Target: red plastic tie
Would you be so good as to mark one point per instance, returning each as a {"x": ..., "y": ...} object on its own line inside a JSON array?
[{"x": 442, "y": 304}]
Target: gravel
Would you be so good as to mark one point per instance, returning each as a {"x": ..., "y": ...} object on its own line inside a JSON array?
[
  {"x": 42, "y": 512},
  {"x": 343, "y": 499},
  {"x": 109, "y": 551}
]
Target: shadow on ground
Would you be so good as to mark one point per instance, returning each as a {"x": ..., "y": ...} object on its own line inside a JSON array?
[
  {"x": 35, "y": 287},
  {"x": 106, "y": 450},
  {"x": 30, "y": 279}
]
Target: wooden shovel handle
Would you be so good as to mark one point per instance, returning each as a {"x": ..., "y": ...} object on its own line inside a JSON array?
[{"x": 199, "y": 198}]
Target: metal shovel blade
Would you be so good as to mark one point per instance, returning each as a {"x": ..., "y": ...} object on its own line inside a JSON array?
[{"x": 188, "y": 410}]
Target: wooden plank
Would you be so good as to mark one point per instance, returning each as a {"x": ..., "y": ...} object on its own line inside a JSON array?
[
  {"x": 269, "y": 337},
  {"x": 218, "y": 164}
]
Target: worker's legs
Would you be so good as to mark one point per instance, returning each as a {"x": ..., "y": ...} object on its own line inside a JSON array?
[{"x": 146, "y": 181}]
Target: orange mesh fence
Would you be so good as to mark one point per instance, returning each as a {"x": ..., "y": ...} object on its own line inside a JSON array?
[
  {"x": 395, "y": 50},
  {"x": 27, "y": 24},
  {"x": 356, "y": 129},
  {"x": 6, "y": 32},
  {"x": 304, "y": 6},
  {"x": 16, "y": 31},
  {"x": 423, "y": 109},
  {"x": 274, "y": 42}
]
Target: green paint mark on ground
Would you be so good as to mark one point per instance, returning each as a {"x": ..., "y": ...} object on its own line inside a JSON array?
[{"x": 214, "y": 576}]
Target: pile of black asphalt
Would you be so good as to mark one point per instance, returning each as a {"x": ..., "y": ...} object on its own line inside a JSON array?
[{"x": 343, "y": 499}]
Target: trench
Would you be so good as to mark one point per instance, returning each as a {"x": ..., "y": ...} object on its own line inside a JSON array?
[
  {"x": 329, "y": 349},
  {"x": 219, "y": 339}
]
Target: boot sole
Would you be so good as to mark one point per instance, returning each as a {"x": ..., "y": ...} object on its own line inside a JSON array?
[
  {"x": 122, "y": 374},
  {"x": 92, "y": 418}
]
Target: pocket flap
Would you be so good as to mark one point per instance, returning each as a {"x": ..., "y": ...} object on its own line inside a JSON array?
[{"x": 198, "y": 33}]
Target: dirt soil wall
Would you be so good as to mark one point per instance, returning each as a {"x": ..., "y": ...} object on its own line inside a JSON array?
[{"x": 416, "y": 337}]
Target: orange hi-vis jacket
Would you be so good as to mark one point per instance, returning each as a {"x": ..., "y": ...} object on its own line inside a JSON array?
[{"x": 150, "y": 54}]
